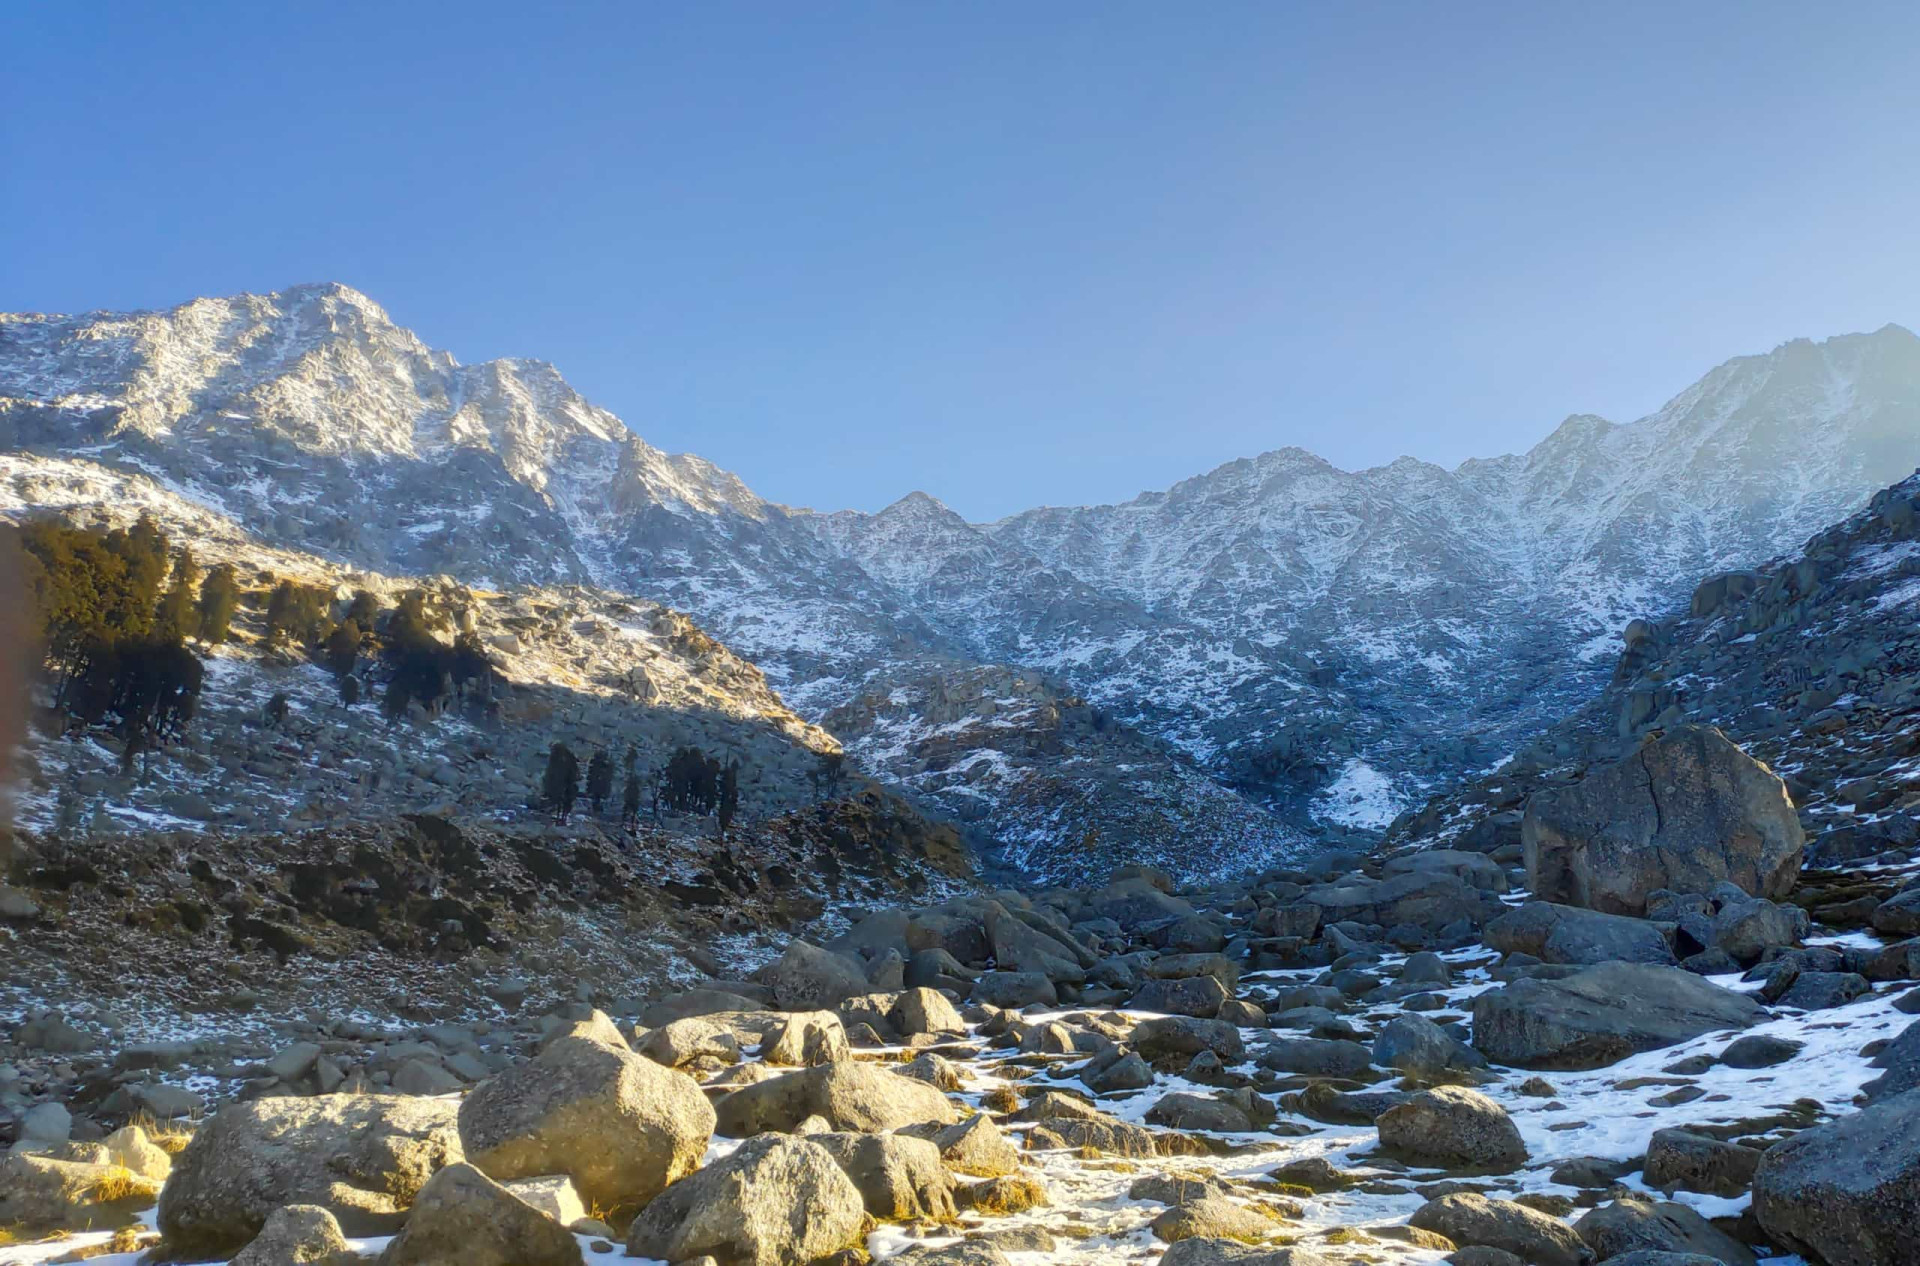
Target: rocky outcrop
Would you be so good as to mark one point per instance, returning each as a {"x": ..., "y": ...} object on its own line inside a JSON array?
[{"x": 1689, "y": 810}]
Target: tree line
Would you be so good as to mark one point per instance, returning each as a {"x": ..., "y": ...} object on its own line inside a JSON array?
[{"x": 690, "y": 782}]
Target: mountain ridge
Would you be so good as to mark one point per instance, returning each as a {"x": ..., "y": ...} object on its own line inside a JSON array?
[{"x": 1287, "y": 626}]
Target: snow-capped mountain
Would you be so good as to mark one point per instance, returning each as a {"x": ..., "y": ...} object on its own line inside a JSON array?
[{"x": 1331, "y": 638}]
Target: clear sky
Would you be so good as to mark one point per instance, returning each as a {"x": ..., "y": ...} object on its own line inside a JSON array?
[{"x": 1009, "y": 254}]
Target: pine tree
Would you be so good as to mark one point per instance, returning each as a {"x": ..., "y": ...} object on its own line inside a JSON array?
[
  {"x": 349, "y": 690},
  {"x": 599, "y": 779},
  {"x": 728, "y": 802},
  {"x": 342, "y": 648},
  {"x": 560, "y": 785},
  {"x": 177, "y": 619},
  {"x": 219, "y": 597},
  {"x": 630, "y": 800},
  {"x": 364, "y": 610}
]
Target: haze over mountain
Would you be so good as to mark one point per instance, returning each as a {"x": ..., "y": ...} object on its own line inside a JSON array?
[{"x": 1311, "y": 637}]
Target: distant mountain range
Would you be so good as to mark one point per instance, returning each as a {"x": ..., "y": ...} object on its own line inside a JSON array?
[{"x": 1274, "y": 634}]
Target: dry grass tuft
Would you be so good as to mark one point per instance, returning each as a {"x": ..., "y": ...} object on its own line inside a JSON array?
[{"x": 119, "y": 1185}]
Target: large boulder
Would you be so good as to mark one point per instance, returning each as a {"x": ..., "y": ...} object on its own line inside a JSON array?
[
  {"x": 1847, "y": 1193},
  {"x": 808, "y": 978},
  {"x": 1634, "y": 1225},
  {"x": 978, "y": 1148},
  {"x": 774, "y": 1201},
  {"x": 921, "y": 1010},
  {"x": 848, "y": 1095},
  {"x": 1474, "y": 1220},
  {"x": 621, "y": 1126},
  {"x": 1428, "y": 899},
  {"x": 901, "y": 1178},
  {"x": 807, "y": 1038},
  {"x": 1186, "y": 1036},
  {"x": 1570, "y": 935},
  {"x": 1603, "y": 1014},
  {"x": 463, "y": 1218},
  {"x": 1199, "y": 996},
  {"x": 1454, "y": 1128},
  {"x": 1688, "y": 810},
  {"x": 360, "y": 1157},
  {"x": 1413, "y": 1044}
]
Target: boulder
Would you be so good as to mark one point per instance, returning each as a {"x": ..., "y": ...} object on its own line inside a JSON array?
[
  {"x": 1186, "y": 1036},
  {"x": 1014, "y": 989},
  {"x": 695, "y": 1002},
  {"x": 978, "y": 1148},
  {"x": 1532, "y": 1236},
  {"x": 1848, "y": 1192},
  {"x": 848, "y": 1095},
  {"x": 45, "y": 1193},
  {"x": 1680, "y": 1159},
  {"x": 1900, "y": 1059},
  {"x": 1602, "y": 1014},
  {"x": 807, "y": 1038},
  {"x": 360, "y": 1157},
  {"x": 1414, "y": 1044},
  {"x": 297, "y": 1235},
  {"x": 1218, "y": 1252},
  {"x": 1688, "y": 810},
  {"x": 1316, "y": 1057},
  {"x": 1568, "y": 934},
  {"x": 774, "y": 1201},
  {"x": 923, "y": 1010},
  {"x": 808, "y": 978},
  {"x": 1454, "y": 1128},
  {"x": 901, "y": 1179},
  {"x": 1634, "y": 1225},
  {"x": 1193, "y": 995},
  {"x": 694, "y": 1040},
  {"x": 1213, "y": 1217},
  {"x": 464, "y": 1218},
  {"x": 622, "y": 1127},
  {"x": 1429, "y": 899}
]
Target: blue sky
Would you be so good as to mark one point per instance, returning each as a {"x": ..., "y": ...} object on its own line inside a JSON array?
[{"x": 1009, "y": 254}]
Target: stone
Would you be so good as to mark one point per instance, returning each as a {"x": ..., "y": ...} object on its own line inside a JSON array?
[
  {"x": 1194, "y": 995},
  {"x": 923, "y": 1010},
  {"x": 1452, "y": 1127},
  {"x": 621, "y": 1126},
  {"x": 1601, "y": 1015},
  {"x": 1759, "y": 1050},
  {"x": 849, "y": 1094},
  {"x": 1212, "y": 1217},
  {"x": 1177, "y": 1188},
  {"x": 1186, "y": 1036},
  {"x": 552, "y": 1194},
  {"x": 424, "y": 1077},
  {"x": 1847, "y": 1192},
  {"x": 935, "y": 1070},
  {"x": 1414, "y": 1044},
  {"x": 808, "y": 978},
  {"x": 901, "y": 1179},
  {"x": 44, "y": 1193},
  {"x": 695, "y": 1002},
  {"x": 1634, "y": 1225},
  {"x": 361, "y": 1157},
  {"x": 464, "y": 1218},
  {"x": 1126, "y": 1071},
  {"x": 1204, "y": 1251},
  {"x": 1014, "y": 1193},
  {"x": 1570, "y": 935},
  {"x": 1686, "y": 811},
  {"x": 1014, "y": 989},
  {"x": 1901, "y": 1060},
  {"x": 294, "y": 1062},
  {"x": 1680, "y": 1159},
  {"x": 775, "y": 1201},
  {"x": 1824, "y": 990},
  {"x": 45, "y": 1123},
  {"x": 978, "y": 1148},
  {"x": 1468, "y": 1219},
  {"x": 1182, "y": 1111},
  {"x": 297, "y": 1235},
  {"x": 1316, "y": 1057},
  {"x": 131, "y": 1149},
  {"x": 691, "y": 1040},
  {"x": 807, "y": 1038}
]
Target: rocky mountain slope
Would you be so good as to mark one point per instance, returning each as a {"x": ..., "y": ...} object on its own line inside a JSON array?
[
  {"x": 1326, "y": 641},
  {"x": 570, "y": 663},
  {"x": 1811, "y": 662}
]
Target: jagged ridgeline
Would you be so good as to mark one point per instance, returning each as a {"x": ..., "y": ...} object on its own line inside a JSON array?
[{"x": 1282, "y": 655}]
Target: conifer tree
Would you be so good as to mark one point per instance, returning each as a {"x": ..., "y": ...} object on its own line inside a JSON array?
[
  {"x": 560, "y": 785},
  {"x": 219, "y": 598},
  {"x": 178, "y": 618},
  {"x": 599, "y": 779}
]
